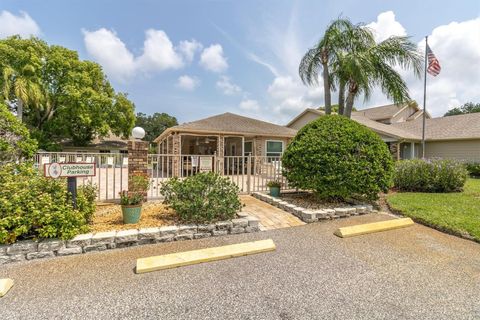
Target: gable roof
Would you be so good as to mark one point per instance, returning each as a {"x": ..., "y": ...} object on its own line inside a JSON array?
[
  {"x": 385, "y": 129},
  {"x": 229, "y": 123},
  {"x": 384, "y": 112},
  {"x": 311, "y": 110},
  {"x": 465, "y": 126}
]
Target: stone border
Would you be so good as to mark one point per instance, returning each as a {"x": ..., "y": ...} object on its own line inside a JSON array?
[
  {"x": 83, "y": 243},
  {"x": 309, "y": 216}
]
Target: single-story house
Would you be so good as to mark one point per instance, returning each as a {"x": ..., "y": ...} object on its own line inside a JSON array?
[
  {"x": 108, "y": 144},
  {"x": 229, "y": 137},
  {"x": 225, "y": 134},
  {"x": 400, "y": 126}
]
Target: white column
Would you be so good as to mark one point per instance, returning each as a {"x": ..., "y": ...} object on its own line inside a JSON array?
[{"x": 412, "y": 150}]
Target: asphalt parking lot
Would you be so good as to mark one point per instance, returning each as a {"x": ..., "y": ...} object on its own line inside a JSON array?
[{"x": 412, "y": 273}]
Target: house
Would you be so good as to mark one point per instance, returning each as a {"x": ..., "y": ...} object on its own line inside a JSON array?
[
  {"x": 400, "y": 126},
  {"x": 227, "y": 138},
  {"x": 108, "y": 144},
  {"x": 225, "y": 134}
]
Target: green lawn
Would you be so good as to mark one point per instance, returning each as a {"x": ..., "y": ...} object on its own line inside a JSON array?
[{"x": 453, "y": 212}]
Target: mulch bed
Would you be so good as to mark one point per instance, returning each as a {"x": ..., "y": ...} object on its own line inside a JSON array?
[
  {"x": 108, "y": 217},
  {"x": 308, "y": 200}
]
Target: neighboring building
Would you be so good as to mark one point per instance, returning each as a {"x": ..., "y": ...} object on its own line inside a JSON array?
[
  {"x": 400, "y": 126},
  {"x": 108, "y": 144}
]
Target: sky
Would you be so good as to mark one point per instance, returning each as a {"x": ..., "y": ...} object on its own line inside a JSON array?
[{"x": 194, "y": 59}]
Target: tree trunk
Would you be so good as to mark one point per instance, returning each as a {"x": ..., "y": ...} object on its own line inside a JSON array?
[
  {"x": 20, "y": 110},
  {"x": 349, "y": 104},
  {"x": 341, "y": 98},
  {"x": 326, "y": 89}
]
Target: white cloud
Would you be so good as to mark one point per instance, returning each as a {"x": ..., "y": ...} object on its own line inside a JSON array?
[
  {"x": 227, "y": 86},
  {"x": 249, "y": 105},
  {"x": 21, "y": 24},
  {"x": 108, "y": 50},
  {"x": 457, "y": 47},
  {"x": 158, "y": 52},
  {"x": 188, "y": 48},
  {"x": 121, "y": 64},
  {"x": 212, "y": 59},
  {"x": 187, "y": 83},
  {"x": 386, "y": 26},
  {"x": 290, "y": 96}
]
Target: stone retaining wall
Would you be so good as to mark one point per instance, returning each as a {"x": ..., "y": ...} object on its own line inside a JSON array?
[
  {"x": 83, "y": 243},
  {"x": 308, "y": 216}
]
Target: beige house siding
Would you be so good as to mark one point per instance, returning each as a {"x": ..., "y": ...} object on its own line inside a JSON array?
[
  {"x": 461, "y": 149},
  {"x": 303, "y": 120},
  {"x": 260, "y": 144}
]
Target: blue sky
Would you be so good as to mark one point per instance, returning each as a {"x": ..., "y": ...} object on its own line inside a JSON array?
[{"x": 193, "y": 59}]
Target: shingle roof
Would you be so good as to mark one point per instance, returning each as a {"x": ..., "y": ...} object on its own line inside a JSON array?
[
  {"x": 382, "y": 112},
  {"x": 465, "y": 126},
  {"x": 229, "y": 123},
  {"x": 386, "y": 129}
]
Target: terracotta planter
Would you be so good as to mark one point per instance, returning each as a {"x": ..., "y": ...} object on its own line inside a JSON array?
[{"x": 131, "y": 214}]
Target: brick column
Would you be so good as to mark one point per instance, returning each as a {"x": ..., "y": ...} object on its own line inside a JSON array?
[
  {"x": 176, "y": 150},
  {"x": 394, "y": 150},
  {"x": 220, "y": 155},
  {"x": 137, "y": 160}
]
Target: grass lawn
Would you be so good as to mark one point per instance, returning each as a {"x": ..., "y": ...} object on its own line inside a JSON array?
[{"x": 453, "y": 212}]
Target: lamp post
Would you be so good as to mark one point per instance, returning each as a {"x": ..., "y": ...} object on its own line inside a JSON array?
[{"x": 138, "y": 133}]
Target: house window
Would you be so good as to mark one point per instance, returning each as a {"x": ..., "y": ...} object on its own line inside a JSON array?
[
  {"x": 104, "y": 151},
  {"x": 247, "y": 148},
  {"x": 274, "y": 148}
]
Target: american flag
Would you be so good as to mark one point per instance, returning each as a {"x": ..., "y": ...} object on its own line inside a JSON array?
[{"x": 433, "y": 64}]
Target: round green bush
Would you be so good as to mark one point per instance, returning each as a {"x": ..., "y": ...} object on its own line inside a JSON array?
[
  {"x": 338, "y": 158},
  {"x": 35, "y": 207},
  {"x": 204, "y": 197},
  {"x": 435, "y": 175}
]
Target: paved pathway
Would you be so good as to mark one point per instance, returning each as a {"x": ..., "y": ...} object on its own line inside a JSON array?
[
  {"x": 270, "y": 217},
  {"x": 411, "y": 273}
]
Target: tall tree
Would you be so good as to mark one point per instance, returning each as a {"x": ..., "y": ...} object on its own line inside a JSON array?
[
  {"x": 155, "y": 124},
  {"x": 357, "y": 64},
  {"x": 468, "y": 107},
  {"x": 75, "y": 100},
  {"x": 21, "y": 64}
]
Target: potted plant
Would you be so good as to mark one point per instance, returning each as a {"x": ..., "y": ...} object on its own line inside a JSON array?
[
  {"x": 274, "y": 186},
  {"x": 132, "y": 200}
]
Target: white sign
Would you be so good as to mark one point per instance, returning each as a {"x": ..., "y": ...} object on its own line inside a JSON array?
[
  {"x": 64, "y": 170},
  {"x": 205, "y": 164}
]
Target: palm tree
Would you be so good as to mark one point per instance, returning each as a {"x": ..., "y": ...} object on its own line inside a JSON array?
[
  {"x": 20, "y": 89},
  {"x": 350, "y": 58},
  {"x": 323, "y": 55},
  {"x": 369, "y": 65}
]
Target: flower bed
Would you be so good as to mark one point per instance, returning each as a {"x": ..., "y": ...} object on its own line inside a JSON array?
[
  {"x": 313, "y": 214},
  {"x": 100, "y": 241}
]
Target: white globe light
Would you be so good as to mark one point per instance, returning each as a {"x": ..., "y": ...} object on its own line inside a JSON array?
[{"x": 138, "y": 133}]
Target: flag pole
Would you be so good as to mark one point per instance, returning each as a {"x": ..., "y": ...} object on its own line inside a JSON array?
[{"x": 424, "y": 98}]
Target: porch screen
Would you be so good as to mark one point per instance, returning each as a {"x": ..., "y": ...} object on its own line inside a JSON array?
[{"x": 274, "y": 148}]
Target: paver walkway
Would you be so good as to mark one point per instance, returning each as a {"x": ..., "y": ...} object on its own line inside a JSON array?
[{"x": 270, "y": 217}]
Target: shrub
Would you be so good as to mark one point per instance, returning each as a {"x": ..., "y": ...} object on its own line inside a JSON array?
[
  {"x": 430, "y": 176},
  {"x": 338, "y": 158},
  {"x": 205, "y": 197},
  {"x": 15, "y": 141},
  {"x": 32, "y": 206},
  {"x": 86, "y": 196},
  {"x": 136, "y": 193},
  {"x": 473, "y": 169}
]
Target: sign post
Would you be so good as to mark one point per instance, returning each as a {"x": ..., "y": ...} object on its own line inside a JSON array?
[{"x": 71, "y": 171}]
